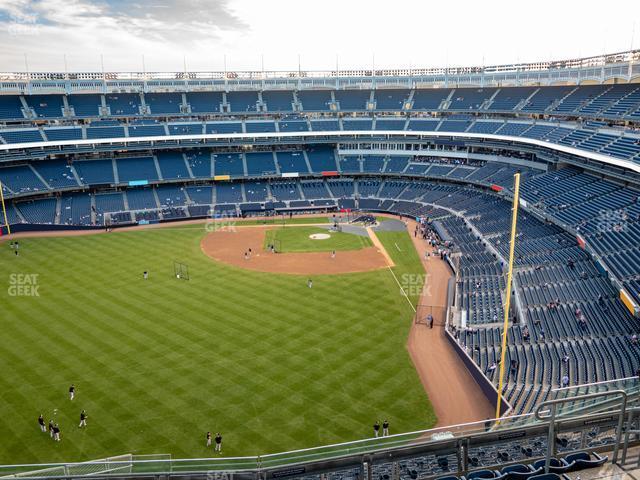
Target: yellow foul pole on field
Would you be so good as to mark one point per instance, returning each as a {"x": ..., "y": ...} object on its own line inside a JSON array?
[
  {"x": 505, "y": 328},
  {"x": 4, "y": 210}
]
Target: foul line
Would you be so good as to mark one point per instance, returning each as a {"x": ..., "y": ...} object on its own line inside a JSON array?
[
  {"x": 402, "y": 290},
  {"x": 397, "y": 246}
]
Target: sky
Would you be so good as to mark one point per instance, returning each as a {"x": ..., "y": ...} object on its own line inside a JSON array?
[{"x": 354, "y": 33}]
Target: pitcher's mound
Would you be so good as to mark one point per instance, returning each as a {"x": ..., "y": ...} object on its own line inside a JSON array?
[{"x": 229, "y": 247}]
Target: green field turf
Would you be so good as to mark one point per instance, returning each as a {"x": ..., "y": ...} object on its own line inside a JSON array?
[
  {"x": 296, "y": 239},
  {"x": 259, "y": 357}
]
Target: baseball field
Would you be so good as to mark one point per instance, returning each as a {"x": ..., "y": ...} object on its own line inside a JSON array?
[{"x": 258, "y": 356}]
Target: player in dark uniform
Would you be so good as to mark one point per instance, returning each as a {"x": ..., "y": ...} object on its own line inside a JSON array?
[
  {"x": 41, "y": 423},
  {"x": 385, "y": 428},
  {"x": 72, "y": 391},
  {"x": 208, "y": 439},
  {"x": 83, "y": 419},
  {"x": 56, "y": 432},
  {"x": 376, "y": 429},
  {"x": 51, "y": 428},
  {"x": 218, "y": 442}
]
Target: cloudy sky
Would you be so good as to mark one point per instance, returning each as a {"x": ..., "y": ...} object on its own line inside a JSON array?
[{"x": 396, "y": 33}]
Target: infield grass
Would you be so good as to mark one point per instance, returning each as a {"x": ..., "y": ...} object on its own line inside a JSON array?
[
  {"x": 297, "y": 239},
  {"x": 268, "y": 362}
]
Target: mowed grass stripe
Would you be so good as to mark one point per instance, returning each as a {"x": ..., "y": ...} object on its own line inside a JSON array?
[
  {"x": 260, "y": 357},
  {"x": 298, "y": 239}
]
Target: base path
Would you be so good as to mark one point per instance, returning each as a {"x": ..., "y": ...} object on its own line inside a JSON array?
[
  {"x": 229, "y": 247},
  {"x": 453, "y": 392}
]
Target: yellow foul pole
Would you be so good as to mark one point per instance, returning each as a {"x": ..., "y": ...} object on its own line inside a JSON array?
[
  {"x": 4, "y": 210},
  {"x": 505, "y": 328}
]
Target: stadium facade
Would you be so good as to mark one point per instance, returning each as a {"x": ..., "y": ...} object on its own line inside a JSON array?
[{"x": 85, "y": 150}]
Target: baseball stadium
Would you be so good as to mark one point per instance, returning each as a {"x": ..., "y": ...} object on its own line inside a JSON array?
[{"x": 344, "y": 274}]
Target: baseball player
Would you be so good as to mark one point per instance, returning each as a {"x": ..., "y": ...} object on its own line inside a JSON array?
[
  {"x": 83, "y": 419},
  {"x": 41, "y": 423}
]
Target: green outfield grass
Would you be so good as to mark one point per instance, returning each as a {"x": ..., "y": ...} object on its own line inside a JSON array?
[
  {"x": 296, "y": 239},
  {"x": 259, "y": 357}
]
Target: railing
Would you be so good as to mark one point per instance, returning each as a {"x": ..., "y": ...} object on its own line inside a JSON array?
[
  {"x": 630, "y": 56},
  {"x": 552, "y": 410}
]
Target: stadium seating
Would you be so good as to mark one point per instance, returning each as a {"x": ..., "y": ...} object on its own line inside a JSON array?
[
  {"x": 321, "y": 159},
  {"x": 228, "y": 165},
  {"x": 92, "y": 172},
  {"x": 21, "y": 136},
  {"x": 122, "y": 104},
  {"x": 54, "y": 134},
  {"x": 136, "y": 169},
  {"x": 278, "y": 101},
  {"x": 163, "y": 103},
  {"x": 262, "y": 163},
  {"x": 146, "y": 130},
  {"x": 11, "y": 107},
  {"x": 242, "y": 101},
  {"x": 86, "y": 105},
  {"x": 290, "y": 162},
  {"x": 352, "y": 99},
  {"x": 20, "y": 179},
  {"x": 315, "y": 100},
  {"x": 199, "y": 162},
  {"x": 46, "y": 106},
  {"x": 172, "y": 165},
  {"x": 429, "y": 99},
  {"x": 204, "y": 102},
  {"x": 260, "y": 127},
  {"x": 75, "y": 209},
  {"x": 57, "y": 173},
  {"x": 391, "y": 99}
]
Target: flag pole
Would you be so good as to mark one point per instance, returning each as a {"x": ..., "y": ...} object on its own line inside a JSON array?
[
  {"x": 505, "y": 328},
  {"x": 4, "y": 211}
]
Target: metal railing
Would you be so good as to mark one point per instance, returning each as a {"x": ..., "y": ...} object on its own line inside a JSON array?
[{"x": 626, "y": 57}]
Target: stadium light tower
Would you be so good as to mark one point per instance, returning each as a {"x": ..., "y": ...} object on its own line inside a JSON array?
[{"x": 507, "y": 303}]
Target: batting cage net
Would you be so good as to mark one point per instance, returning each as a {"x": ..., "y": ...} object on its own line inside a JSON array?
[
  {"x": 425, "y": 314},
  {"x": 181, "y": 270},
  {"x": 273, "y": 244}
]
